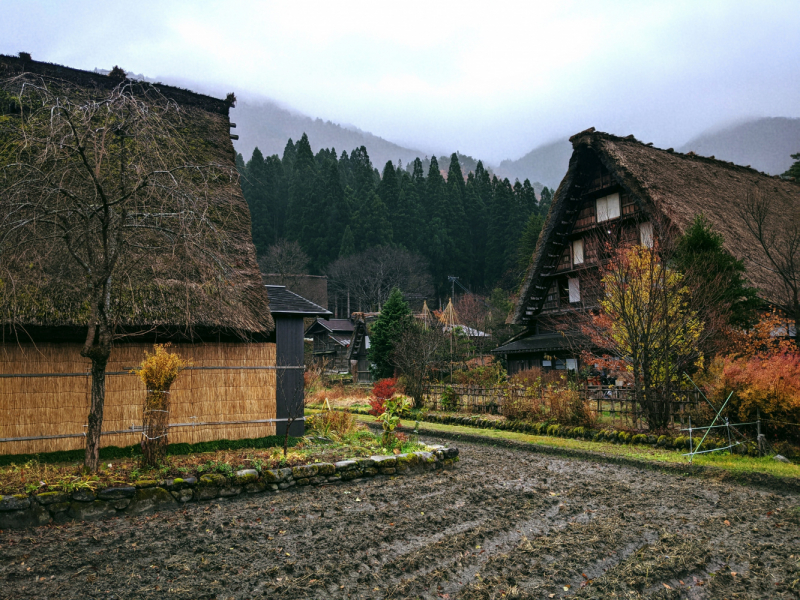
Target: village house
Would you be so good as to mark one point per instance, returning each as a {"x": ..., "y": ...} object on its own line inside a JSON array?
[
  {"x": 223, "y": 324},
  {"x": 331, "y": 340},
  {"x": 617, "y": 191}
]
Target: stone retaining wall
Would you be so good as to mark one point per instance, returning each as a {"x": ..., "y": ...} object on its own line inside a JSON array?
[{"x": 144, "y": 496}]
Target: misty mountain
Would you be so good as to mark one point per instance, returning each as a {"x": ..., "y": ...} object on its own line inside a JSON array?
[
  {"x": 547, "y": 163},
  {"x": 269, "y": 127},
  {"x": 764, "y": 144}
]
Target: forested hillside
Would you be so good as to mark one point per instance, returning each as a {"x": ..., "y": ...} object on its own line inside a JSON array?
[
  {"x": 470, "y": 225},
  {"x": 267, "y": 126}
]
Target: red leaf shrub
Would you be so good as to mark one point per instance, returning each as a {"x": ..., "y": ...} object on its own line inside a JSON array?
[
  {"x": 384, "y": 388},
  {"x": 378, "y": 406}
]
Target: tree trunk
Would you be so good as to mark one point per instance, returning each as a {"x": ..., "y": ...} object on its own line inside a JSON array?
[{"x": 99, "y": 361}]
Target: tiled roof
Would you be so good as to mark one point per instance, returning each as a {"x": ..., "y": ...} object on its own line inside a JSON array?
[{"x": 282, "y": 301}]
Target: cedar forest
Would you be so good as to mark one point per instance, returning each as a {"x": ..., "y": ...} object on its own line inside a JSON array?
[{"x": 476, "y": 227}]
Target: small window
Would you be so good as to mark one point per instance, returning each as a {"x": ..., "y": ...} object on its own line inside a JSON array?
[
  {"x": 577, "y": 252},
  {"x": 574, "y": 289},
  {"x": 547, "y": 363},
  {"x": 646, "y": 234},
  {"x": 608, "y": 207},
  {"x": 572, "y": 364}
]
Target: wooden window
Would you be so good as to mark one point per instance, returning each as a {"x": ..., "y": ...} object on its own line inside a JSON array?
[
  {"x": 577, "y": 252},
  {"x": 646, "y": 234},
  {"x": 586, "y": 216},
  {"x": 574, "y": 289},
  {"x": 628, "y": 205},
  {"x": 607, "y": 207}
]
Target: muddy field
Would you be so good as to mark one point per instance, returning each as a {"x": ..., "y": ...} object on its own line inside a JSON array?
[{"x": 502, "y": 524}]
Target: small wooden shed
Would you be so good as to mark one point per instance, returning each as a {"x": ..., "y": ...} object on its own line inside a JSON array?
[{"x": 288, "y": 311}]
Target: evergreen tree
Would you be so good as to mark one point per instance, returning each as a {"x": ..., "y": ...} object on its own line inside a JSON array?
[
  {"x": 256, "y": 193},
  {"x": 301, "y": 190},
  {"x": 395, "y": 317},
  {"x": 348, "y": 245},
  {"x": 372, "y": 224},
  {"x": 528, "y": 198},
  {"x": 456, "y": 220},
  {"x": 389, "y": 190},
  {"x": 497, "y": 236},
  {"x": 794, "y": 170},
  {"x": 700, "y": 252},
  {"x": 546, "y": 200},
  {"x": 528, "y": 240}
]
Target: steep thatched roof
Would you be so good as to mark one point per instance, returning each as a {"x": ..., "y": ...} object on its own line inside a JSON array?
[
  {"x": 672, "y": 188},
  {"x": 203, "y": 285}
]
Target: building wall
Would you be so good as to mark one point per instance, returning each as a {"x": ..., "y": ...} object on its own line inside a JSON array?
[
  {"x": 52, "y": 405},
  {"x": 289, "y": 338}
]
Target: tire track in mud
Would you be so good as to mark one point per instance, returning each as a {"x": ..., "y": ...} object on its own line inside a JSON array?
[{"x": 541, "y": 522}]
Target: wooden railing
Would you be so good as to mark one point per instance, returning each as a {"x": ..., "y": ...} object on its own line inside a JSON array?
[{"x": 613, "y": 405}]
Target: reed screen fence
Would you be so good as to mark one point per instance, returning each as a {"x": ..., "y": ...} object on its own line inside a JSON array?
[{"x": 228, "y": 393}]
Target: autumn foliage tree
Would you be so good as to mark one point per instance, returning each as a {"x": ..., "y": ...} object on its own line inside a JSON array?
[{"x": 647, "y": 323}]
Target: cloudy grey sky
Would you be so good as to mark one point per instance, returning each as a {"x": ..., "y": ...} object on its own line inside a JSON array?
[{"x": 492, "y": 79}]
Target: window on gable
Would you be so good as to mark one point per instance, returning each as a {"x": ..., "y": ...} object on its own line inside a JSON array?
[
  {"x": 646, "y": 234},
  {"x": 577, "y": 252},
  {"x": 607, "y": 207},
  {"x": 574, "y": 289}
]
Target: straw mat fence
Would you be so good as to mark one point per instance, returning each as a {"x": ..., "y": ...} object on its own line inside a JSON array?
[{"x": 215, "y": 388}]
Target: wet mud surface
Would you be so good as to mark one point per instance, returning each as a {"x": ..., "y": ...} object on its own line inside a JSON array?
[{"x": 502, "y": 524}]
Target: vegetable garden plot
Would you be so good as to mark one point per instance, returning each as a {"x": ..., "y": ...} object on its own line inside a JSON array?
[{"x": 504, "y": 524}]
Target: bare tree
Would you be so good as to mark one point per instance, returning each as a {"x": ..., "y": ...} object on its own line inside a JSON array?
[
  {"x": 418, "y": 351},
  {"x": 366, "y": 279},
  {"x": 284, "y": 258},
  {"x": 775, "y": 228},
  {"x": 101, "y": 195}
]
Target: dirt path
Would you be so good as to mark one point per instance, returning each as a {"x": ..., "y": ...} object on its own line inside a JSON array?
[{"x": 502, "y": 524}]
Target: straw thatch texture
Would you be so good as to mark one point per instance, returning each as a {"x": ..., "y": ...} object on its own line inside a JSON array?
[
  {"x": 59, "y": 405},
  {"x": 201, "y": 277},
  {"x": 671, "y": 188}
]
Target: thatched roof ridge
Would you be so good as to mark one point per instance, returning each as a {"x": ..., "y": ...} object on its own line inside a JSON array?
[
  {"x": 16, "y": 65},
  {"x": 673, "y": 187},
  {"x": 225, "y": 296}
]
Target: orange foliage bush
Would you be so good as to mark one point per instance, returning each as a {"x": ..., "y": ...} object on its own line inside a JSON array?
[{"x": 769, "y": 384}]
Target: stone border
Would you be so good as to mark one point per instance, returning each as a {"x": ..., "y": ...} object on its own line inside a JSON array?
[{"x": 146, "y": 496}]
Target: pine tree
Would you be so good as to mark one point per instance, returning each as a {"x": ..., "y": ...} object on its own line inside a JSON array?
[
  {"x": 389, "y": 190},
  {"x": 794, "y": 170},
  {"x": 348, "y": 245},
  {"x": 372, "y": 224},
  {"x": 301, "y": 189},
  {"x": 528, "y": 240},
  {"x": 395, "y": 317},
  {"x": 700, "y": 252},
  {"x": 546, "y": 200}
]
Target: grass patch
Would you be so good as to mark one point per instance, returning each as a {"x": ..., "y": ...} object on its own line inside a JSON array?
[
  {"x": 116, "y": 452},
  {"x": 721, "y": 460},
  {"x": 46, "y": 473}
]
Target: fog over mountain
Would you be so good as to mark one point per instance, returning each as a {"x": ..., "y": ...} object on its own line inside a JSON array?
[
  {"x": 268, "y": 126},
  {"x": 764, "y": 144}
]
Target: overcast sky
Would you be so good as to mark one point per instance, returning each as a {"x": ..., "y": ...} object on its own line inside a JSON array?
[{"x": 490, "y": 79}]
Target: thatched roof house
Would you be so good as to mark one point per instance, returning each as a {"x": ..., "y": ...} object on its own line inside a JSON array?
[
  {"x": 204, "y": 293},
  {"x": 212, "y": 298},
  {"x": 633, "y": 191}
]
